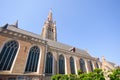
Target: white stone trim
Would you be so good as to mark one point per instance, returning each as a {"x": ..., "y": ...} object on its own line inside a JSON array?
[
  {"x": 45, "y": 57},
  {"x": 93, "y": 63},
  {"x": 53, "y": 66},
  {"x": 86, "y": 65},
  {"x": 66, "y": 65},
  {"x": 75, "y": 65},
  {"x": 39, "y": 61},
  {"x": 15, "y": 57},
  {"x": 99, "y": 65},
  {"x": 57, "y": 66}
]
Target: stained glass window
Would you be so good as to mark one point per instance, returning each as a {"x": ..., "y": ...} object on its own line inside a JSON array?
[
  {"x": 8, "y": 54},
  {"x": 49, "y": 63},
  {"x": 33, "y": 58},
  {"x": 61, "y": 64},
  {"x": 82, "y": 65},
  {"x": 72, "y": 66}
]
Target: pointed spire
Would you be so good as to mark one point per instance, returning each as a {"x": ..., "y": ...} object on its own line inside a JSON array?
[
  {"x": 103, "y": 58},
  {"x": 50, "y": 15},
  {"x": 16, "y": 24},
  {"x": 5, "y": 26}
]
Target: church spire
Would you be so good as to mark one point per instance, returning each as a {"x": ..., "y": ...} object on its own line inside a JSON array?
[
  {"x": 49, "y": 29},
  {"x": 50, "y": 15},
  {"x": 15, "y": 24}
]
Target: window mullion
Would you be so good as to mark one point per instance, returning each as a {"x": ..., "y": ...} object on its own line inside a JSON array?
[
  {"x": 11, "y": 57},
  {"x": 29, "y": 62},
  {"x": 4, "y": 53},
  {"x": 6, "y": 59}
]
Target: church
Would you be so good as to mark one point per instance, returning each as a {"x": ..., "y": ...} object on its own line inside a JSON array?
[{"x": 28, "y": 56}]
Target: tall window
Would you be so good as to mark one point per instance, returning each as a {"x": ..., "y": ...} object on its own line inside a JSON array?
[
  {"x": 91, "y": 66},
  {"x": 49, "y": 63},
  {"x": 97, "y": 65},
  {"x": 11, "y": 78},
  {"x": 72, "y": 67},
  {"x": 61, "y": 64},
  {"x": 33, "y": 58},
  {"x": 7, "y": 55},
  {"x": 82, "y": 65}
]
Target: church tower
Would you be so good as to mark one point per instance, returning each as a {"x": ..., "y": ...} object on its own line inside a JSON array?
[{"x": 49, "y": 28}]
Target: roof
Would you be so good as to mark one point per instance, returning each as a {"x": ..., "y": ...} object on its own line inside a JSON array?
[
  {"x": 49, "y": 42},
  {"x": 66, "y": 47},
  {"x": 113, "y": 64}
]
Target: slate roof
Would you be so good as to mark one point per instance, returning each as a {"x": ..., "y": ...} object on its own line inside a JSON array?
[
  {"x": 66, "y": 47},
  {"x": 12, "y": 28},
  {"x": 113, "y": 64},
  {"x": 50, "y": 42}
]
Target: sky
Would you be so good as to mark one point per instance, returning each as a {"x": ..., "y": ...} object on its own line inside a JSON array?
[{"x": 93, "y": 25}]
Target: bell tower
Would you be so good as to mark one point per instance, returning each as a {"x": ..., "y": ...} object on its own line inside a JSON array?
[{"x": 49, "y": 28}]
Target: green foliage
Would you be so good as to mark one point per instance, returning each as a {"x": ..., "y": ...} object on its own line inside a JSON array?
[
  {"x": 85, "y": 76},
  {"x": 72, "y": 77},
  {"x": 79, "y": 72},
  {"x": 97, "y": 74},
  {"x": 115, "y": 74},
  {"x": 65, "y": 77}
]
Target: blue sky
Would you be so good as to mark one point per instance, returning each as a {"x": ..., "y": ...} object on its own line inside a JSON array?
[{"x": 87, "y": 24}]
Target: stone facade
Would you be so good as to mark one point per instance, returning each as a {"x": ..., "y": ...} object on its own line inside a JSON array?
[
  {"x": 107, "y": 67},
  {"x": 46, "y": 42}
]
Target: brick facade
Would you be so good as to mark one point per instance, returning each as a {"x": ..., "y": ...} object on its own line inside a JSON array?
[{"x": 26, "y": 40}]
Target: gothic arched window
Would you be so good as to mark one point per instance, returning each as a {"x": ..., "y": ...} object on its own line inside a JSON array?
[
  {"x": 97, "y": 65},
  {"x": 61, "y": 64},
  {"x": 91, "y": 66},
  {"x": 8, "y": 54},
  {"x": 32, "y": 61},
  {"x": 49, "y": 63},
  {"x": 72, "y": 66},
  {"x": 82, "y": 65}
]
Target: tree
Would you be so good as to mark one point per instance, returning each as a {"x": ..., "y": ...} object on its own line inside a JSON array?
[
  {"x": 115, "y": 75},
  {"x": 60, "y": 77},
  {"x": 97, "y": 74}
]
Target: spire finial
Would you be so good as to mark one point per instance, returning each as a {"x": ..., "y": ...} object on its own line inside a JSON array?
[
  {"x": 103, "y": 58},
  {"x": 16, "y": 24},
  {"x": 50, "y": 15}
]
